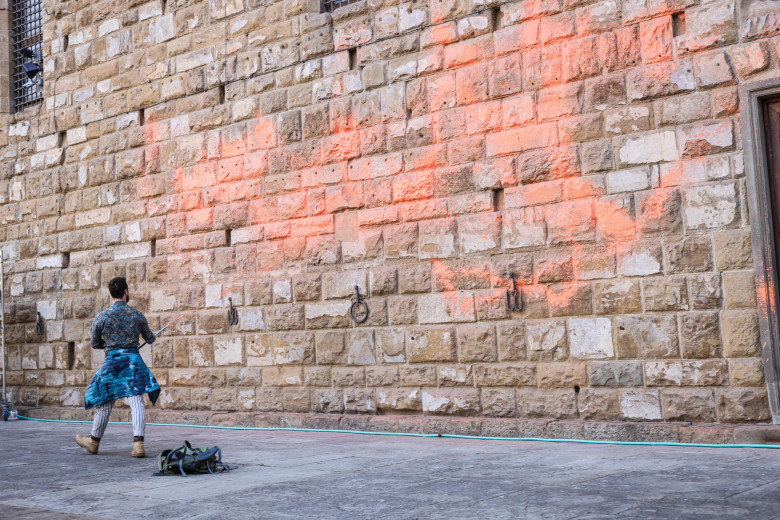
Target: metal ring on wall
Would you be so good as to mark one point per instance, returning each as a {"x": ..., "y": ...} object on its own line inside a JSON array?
[{"x": 359, "y": 311}]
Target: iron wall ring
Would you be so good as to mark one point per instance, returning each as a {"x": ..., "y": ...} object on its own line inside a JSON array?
[{"x": 353, "y": 309}]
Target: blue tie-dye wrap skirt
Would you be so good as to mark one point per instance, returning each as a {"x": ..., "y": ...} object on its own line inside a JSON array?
[{"x": 123, "y": 374}]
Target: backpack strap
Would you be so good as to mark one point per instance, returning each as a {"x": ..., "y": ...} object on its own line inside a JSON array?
[
  {"x": 175, "y": 456},
  {"x": 160, "y": 460},
  {"x": 219, "y": 463},
  {"x": 205, "y": 455}
]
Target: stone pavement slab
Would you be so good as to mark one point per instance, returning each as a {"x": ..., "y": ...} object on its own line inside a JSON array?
[{"x": 307, "y": 475}]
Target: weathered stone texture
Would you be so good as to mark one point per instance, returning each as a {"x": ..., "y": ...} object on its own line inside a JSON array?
[{"x": 585, "y": 157}]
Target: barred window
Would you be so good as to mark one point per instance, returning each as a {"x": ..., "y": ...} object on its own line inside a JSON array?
[
  {"x": 27, "y": 47},
  {"x": 328, "y": 6}
]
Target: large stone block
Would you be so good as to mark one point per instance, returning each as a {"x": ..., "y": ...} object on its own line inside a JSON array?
[
  {"x": 451, "y": 401},
  {"x": 479, "y": 233},
  {"x": 561, "y": 375},
  {"x": 713, "y": 372},
  {"x": 452, "y": 275},
  {"x": 707, "y": 138},
  {"x": 646, "y": 337},
  {"x": 259, "y": 350},
  {"x": 641, "y": 259},
  {"x": 615, "y": 373},
  {"x": 513, "y": 374},
  {"x": 296, "y": 399},
  {"x": 283, "y": 376},
  {"x": 546, "y": 403},
  {"x": 580, "y": 59},
  {"x": 708, "y": 26},
  {"x": 391, "y": 345},
  {"x": 491, "y": 304},
  {"x": 640, "y": 404},
  {"x": 414, "y": 278},
  {"x": 740, "y": 334},
  {"x": 511, "y": 341},
  {"x": 359, "y": 400},
  {"x": 498, "y": 402},
  {"x": 327, "y": 315},
  {"x": 523, "y": 228},
  {"x": 683, "y": 109},
  {"x": 402, "y": 310},
  {"x": 705, "y": 291},
  {"x": 449, "y": 307},
  {"x": 742, "y": 405},
  {"x": 599, "y": 404},
  {"x": 660, "y": 79},
  {"x": 695, "y": 405},
  {"x": 746, "y": 372},
  {"x": 437, "y": 238},
  {"x": 691, "y": 254},
  {"x": 477, "y": 343},
  {"x": 399, "y": 399},
  {"x": 666, "y": 294},
  {"x": 733, "y": 250},
  {"x": 554, "y": 266},
  {"x": 228, "y": 351},
  {"x": 382, "y": 376},
  {"x": 361, "y": 347},
  {"x": 293, "y": 348},
  {"x": 646, "y": 149},
  {"x": 342, "y": 284},
  {"x": 454, "y": 375},
  {"x": 700, "y": 335},
  {"x": 570, "y": 299},
  {"x": 547, "y": 340},
  {"x": 617, "y": 297},
  {"x": 590, "y": 338},
  {"x": 286, "y": 317},
  {"x": 430, "y": 345},
  {"x": 711, "y": 206},
  {"x": 740, "y": 289}
]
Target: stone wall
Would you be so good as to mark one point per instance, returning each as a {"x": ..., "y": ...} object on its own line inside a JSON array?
[{"x": 426, "y": 151}]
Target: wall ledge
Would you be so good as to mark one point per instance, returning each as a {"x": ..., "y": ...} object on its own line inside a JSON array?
[{"x": 622, "y": 431}]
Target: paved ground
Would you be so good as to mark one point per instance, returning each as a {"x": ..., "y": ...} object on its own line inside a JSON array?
[{"x": 298, "y": 475}]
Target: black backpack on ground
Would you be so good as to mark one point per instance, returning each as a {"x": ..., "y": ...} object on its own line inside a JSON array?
[{"x": 186, "y": 459}]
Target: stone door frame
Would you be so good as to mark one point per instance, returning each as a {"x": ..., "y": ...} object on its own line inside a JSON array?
[{"x": 765, "y": 261}]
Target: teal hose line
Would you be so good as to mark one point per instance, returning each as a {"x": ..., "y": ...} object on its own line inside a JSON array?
[
  {"x": 251, "y": 428},
  {"x": 620, "y": 443},
  {"x": 443, "y": 435}
]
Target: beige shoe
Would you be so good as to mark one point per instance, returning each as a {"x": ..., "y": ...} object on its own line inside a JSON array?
[
  {"x": 88, "y": 443},
  {"x": 138, "y": 449}
]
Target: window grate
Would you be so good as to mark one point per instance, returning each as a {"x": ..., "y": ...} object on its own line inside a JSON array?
[
  {"x": 328, "y": 6},
  {"x": 27, "y": 46}
]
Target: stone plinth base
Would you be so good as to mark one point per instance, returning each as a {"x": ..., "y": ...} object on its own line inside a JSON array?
[{"x": 472, "y": 426}]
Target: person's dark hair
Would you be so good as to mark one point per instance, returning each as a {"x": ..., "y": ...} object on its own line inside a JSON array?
[{"x": 117, "y": 287}]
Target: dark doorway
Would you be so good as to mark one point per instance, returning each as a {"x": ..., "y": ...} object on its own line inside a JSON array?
[
  {"x": 760, "y": 114},
  {"x": 771, "y": 113}
]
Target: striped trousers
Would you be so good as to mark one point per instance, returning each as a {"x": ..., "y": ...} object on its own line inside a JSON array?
[{"x": 137, "y": 410}]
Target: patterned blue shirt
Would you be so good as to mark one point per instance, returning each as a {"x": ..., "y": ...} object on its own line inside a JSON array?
[{"x": 119, "y": 326}]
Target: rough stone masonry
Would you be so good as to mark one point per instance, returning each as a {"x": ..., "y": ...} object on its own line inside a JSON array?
[{"x": 434, "y": 153}]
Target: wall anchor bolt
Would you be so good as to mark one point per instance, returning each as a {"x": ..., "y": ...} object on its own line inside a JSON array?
[
  {"x": 40, "y": 326},
  {"x": 232, "y": 314},
  {"x": 514, "y": 296}
]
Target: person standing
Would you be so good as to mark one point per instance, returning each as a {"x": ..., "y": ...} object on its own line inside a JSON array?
[{"x": 123, "y": 373}]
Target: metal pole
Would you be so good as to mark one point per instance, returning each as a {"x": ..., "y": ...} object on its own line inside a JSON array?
[{"x": 2, "y": 319}]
